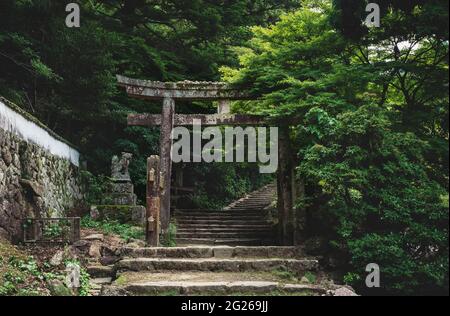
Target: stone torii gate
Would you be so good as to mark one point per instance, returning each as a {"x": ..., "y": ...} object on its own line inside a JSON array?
[{"x": 158, "y": 188}]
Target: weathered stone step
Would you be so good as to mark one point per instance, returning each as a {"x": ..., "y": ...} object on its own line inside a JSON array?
[
  {"x": 214, "y": 264},
  {"x": 253, "y": 201},
  {"x": 222, "y": 229},
  {"x": 214, "y": 252},
  {"x": 186, "y": 211},
  {"x": 251, "y": 209},
  {"x": 98, "y": 271},
  {"x": 217, "y": 235},
  {"x": 225, "y": 235},
  {"x": 183, "y": 288},
  {"x": 100, "y": 281},
  {"x": 241, "y": 217},
  {"x": 209, "y": 283},
  {"x": 260, "y": 197},
  {"x": 252, "y": 212},
  {"x": 223, "y": 222},
  {"x": 223, "y": 217},
  {"x": 222, "y": 242},
  {"x": 230, "y": 226}
]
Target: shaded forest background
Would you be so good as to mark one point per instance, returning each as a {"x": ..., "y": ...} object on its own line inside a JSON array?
[
  {"x": 66, "y": 77},
  {"x": 371, "y": 144}
]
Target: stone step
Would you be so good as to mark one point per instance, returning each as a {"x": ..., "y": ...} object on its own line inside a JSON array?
[
  {"x": 222, "y": 229},
  {"x": 262, "y": 205},
  {"x": 210, "y": 283},
  {"x": 183, "y": 288},
  {"x": 98, "y": 271},
  {"x": 213, "y": 226},
  {"x": 260, "y": 197},
  {"x": 241, "y": 217},
  {"x": 225, "y": 235},
  {"x": 259, "y": 201},
  {"x": 184, "y": 211},
  {"x": 252, "y": 208},
  {"x": 223, "y": 242},
  {"x": 213, "y": 252},
  {"x": 249, "y": 207},
  {"x": 218, "y": 239},
  {"x": 216, "y": 265},
  {"x": 222, "y": 217},
  {"x": 225, "y": 220},
  {"x": 218, "y": 235},
  {"x": 244, "y": 212},
  {"x": 222, "y": 222},
  {"x": 257, "y": 210},
  {"x": 100, "y": 281}
]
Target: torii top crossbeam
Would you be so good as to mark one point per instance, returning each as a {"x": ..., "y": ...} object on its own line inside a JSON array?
[{"x": 184, "y": 90}]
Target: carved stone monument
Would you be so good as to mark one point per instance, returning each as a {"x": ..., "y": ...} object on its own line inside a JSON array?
[
  {"x": 119, "y": 168},
  {"x": 121, "y": 201},
  {"x": 122, "y": 189}
]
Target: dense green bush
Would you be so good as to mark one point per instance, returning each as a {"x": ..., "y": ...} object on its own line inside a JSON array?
[
  {"x": 386, "y": 210},
  {"x": 372, "y": 136}
]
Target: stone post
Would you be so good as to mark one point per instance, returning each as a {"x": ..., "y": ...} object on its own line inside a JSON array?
[
  {"x": 168, "y": 114},
  {"x": 286, "y": 214},
  {"x": 152, "y": 217}
]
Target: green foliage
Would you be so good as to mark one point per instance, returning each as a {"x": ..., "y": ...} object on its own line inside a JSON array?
[
  {"x": 96, "y": 188},
  {"x": 387, "y": 209},
  {"x": 284, "y": 274},
  {"x": 169, "y": 239},
  {"x": 125, "y": 231},
  {"x": 66, "y": 77},
  {"x": 20, "y": 275},
  {"x": 311, "y": 277},
  {"x": 371, "y": 138},
  {"x": 52, "y": 231}
]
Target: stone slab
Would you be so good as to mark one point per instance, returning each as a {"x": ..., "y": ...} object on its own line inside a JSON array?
[{"x": 213, "y": 264}]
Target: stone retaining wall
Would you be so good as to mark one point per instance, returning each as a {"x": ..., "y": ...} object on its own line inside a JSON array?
[{"x": 39, "y": 174}]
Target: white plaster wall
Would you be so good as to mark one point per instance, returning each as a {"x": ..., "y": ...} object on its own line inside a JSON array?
[{"x": 15, "y": 123}]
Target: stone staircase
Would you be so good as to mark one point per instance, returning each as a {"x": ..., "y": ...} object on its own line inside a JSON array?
[
  {"x": 244, "y": 222},
  {"x": 219, "y": 261},
  {"x": 213, "y": 270}
]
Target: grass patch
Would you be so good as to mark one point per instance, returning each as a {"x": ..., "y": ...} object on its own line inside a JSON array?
[
  {"x": 121, "y": 280},
  {"x": 169, "y": 239},
  {"x": 311, "y": 277},
  {"x": 284, "y": 274},
  {"x": 108, "y": 227},
  {"x": 20, "y": 274}
]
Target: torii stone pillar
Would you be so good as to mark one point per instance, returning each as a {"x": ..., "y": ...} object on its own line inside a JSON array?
[{"x": 167, "y": 120}]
